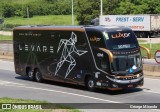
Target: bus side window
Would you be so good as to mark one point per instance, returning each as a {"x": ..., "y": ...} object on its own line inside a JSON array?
[
  {"x": 104, "y": 63},
  {"x": 96, "y": 39},
  {"x": 81, "y": 40}
]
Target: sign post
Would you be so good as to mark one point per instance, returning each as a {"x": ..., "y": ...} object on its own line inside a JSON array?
[
  {"x": 72, "y": 12},
  {"x": 101, "y": 8}
]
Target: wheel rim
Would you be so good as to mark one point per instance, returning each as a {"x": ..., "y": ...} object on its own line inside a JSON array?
[
  {"x": 91, "y": 84},
  {"x": 30, "y": 74},
  {"x": 38, "y": 76}
]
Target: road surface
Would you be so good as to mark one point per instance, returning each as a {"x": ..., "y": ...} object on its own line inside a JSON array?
[{"x": 16, "y": 86}]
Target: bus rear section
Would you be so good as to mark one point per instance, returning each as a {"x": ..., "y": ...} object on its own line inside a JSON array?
[{"x": 59, "y": 53}]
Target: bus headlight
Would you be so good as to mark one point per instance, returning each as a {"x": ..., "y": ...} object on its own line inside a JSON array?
[{"x": 138, "y": 75}]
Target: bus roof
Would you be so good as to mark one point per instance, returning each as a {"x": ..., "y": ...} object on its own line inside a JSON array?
[
  {"x": 107, "y": 28},
  {"x": 73, "y": 28}
]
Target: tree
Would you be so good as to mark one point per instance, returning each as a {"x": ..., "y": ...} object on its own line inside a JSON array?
[
  {"x": 86, "y": 10},
  {"x": 8, "y": 10},
  {"x": 139, "y": 7}
]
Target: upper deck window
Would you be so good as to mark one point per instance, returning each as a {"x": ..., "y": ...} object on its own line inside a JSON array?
[
  {"x": 96, "y": 39},
  {"x": 120, "y": 40}
]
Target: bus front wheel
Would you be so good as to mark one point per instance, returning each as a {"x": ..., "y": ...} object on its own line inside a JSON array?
[{"x": 90, "y": 84}]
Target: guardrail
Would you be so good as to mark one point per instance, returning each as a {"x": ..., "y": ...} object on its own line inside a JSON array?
[
  {"x": 6, "y": 50},
  {"x": 6, "y": 46}
]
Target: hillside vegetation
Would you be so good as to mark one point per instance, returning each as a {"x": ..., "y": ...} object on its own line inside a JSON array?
[
  {"x": 85, "y": 10},
  {"x": 41, "y": 20}
]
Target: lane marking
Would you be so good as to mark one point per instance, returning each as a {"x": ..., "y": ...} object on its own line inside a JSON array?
[
  {"x": 12, "y": 70},
  {"x": 11, "y": 62},
  {"x": 152, "y": 79},
  {"x": 151, "y": 91},
  {"x": 7, "y": 82},
  {"x": 74, "y": 94}
]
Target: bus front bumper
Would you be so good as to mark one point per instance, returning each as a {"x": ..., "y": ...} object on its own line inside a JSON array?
[
  {"x": 122, "y": 84},
  {"x": 115, "y": 84}
]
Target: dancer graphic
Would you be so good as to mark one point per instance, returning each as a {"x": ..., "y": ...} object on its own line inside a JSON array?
[{"x": 68, "y": 49}]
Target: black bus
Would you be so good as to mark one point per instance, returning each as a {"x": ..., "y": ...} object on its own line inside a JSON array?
[{"x": 93, "y": 56}]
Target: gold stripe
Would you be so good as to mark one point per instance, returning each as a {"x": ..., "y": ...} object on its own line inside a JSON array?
[{"x": 60, "y": 29}]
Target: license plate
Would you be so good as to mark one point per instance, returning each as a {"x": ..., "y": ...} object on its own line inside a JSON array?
[{"x": 131, "y": 85}]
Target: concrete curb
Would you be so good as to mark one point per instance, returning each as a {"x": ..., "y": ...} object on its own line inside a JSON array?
[
  {"x": 149, "y": 73},
  {"x": 6, "y": 55},
  {"x": 151, "y": 70}
]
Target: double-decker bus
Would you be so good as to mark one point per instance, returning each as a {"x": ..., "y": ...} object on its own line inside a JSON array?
[{"x": 93, "y": 56}]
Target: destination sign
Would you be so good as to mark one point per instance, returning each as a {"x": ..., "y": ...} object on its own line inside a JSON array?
[{"x": 124, "y": 46}]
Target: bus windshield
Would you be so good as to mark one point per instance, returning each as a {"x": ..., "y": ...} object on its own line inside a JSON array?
[
  {"x": 119, "y": 40},
  {"x": 126, "y": 63}
]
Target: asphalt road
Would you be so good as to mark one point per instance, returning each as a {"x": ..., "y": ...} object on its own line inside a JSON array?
[{"x": 15, "y": 86}]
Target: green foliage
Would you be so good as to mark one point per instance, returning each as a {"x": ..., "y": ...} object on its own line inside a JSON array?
[
  {"x": 60, "y": 108},
  {"x": 12, "y": 22},
  {"x": 153, "y": 48},
  {"x": 3, "y": 37},
  {"x": 138, "y": 7},
  {"x": 86, "y": 10},
  {"x": 35, "y": 7},
  {"x": 115, "y": 7},
  {"x": 8, "y": 10},
  {"x": 14, "y": 100}
]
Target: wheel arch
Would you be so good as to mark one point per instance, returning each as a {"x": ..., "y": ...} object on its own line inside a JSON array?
[
  {"x": 28, "y": 68},
  {"x": 87, "y": 76}
]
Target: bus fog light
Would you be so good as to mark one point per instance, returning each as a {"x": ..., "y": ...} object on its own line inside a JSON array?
[{"x": 115, "y": 85}]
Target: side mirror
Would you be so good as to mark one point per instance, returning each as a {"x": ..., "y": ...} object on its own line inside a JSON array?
[
  {"x": 147, "y": 50},
  {"x": 110, "y": 55}
]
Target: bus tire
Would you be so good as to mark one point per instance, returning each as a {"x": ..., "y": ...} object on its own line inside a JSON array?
[
  {"x": 30, "y": 74},
  {"x": 90, "y": 84},
  {"x": 38, "y": 75}
]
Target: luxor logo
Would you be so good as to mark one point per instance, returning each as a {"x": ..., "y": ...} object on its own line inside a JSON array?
[{"x": 121, "y": 35}]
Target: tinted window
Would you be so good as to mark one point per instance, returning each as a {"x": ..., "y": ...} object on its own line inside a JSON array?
[
  {"x": 129, "y": 62},
  {"x": 120, "y": 40},
  {"x": 96, "y": 39}
]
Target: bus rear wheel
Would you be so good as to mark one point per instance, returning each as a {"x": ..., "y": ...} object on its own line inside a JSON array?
[
  {"x": 90, "y": 83},
  {"x": 38, "y": 75}
]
